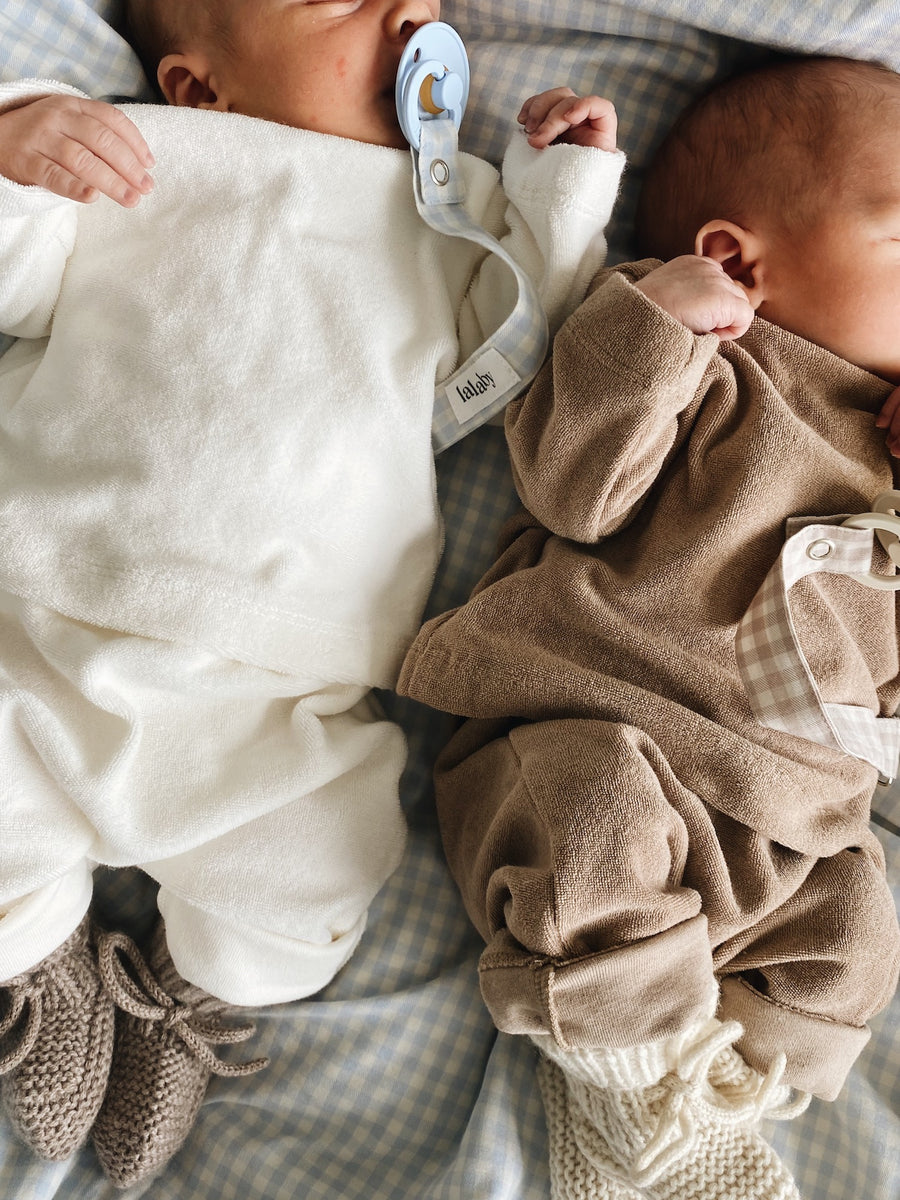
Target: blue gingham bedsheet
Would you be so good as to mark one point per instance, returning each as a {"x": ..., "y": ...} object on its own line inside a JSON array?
[{"x": 392, "y": 1084}]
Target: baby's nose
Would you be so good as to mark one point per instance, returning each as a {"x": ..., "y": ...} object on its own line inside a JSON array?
[{"x": 404, "y": 17}]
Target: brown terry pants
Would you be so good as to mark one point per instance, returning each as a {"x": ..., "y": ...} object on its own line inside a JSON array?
[{"x": 615, "y": 902}]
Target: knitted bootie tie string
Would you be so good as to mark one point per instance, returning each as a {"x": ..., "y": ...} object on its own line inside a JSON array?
[
  {"x": 57, "y": 1034},
  {"x": 138, "y": 993},
  {"x": 27, "y": 990},
  {"x": 688, "y": 1089}
]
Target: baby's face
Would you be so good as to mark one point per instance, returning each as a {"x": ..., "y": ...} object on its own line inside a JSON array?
[
  {"x": 324, "y": 65},
  {"x": 838, "y": 284}
]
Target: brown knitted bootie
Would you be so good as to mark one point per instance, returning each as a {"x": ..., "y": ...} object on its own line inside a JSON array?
[
  {"x": 56, "y": 1042},
  {"x": 162, "y": 1060}
]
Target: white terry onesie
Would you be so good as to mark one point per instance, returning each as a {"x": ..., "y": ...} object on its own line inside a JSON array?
[{"x": 218, "y": 522}]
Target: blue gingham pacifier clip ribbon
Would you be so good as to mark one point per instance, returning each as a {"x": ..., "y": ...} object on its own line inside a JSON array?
[{"x": 431, "y": 93}]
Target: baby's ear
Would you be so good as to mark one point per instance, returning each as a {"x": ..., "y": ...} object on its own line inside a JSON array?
[
  {"x": 738, "y": 251},
  {"x": 184, "y": 80}
]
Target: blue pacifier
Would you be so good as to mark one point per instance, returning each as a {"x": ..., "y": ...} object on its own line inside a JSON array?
[{"x": 432, "y": 79}]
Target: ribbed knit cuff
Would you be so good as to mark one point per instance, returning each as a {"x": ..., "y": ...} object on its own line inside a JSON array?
[{"x": 628, "y": 1067}]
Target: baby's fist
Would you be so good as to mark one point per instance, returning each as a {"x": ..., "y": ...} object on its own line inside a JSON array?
[
  {"x": 560, "y": 116},
  {"x": 698, "y": 293}
]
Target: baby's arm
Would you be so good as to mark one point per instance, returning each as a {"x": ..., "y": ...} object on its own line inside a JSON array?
[
  {"x": 616, "y": 399},
  {"x": 698, "y": 293},
  {"x": 57, "y": 148},
  {"x": 550, "y": 212},
  {"x": 76, "y": 148}
]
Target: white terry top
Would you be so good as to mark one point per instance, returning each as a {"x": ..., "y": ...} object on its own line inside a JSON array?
[{"x": 225, "y": 438}]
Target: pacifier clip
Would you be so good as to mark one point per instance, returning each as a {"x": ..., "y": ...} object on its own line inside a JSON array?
[
  {"x": 431, "y": 93},
  {"x": 780, "y": 686}
]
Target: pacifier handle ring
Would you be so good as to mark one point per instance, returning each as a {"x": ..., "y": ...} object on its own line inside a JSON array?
[
  {"x": 889, "y": 503},
  {"x": 887, "y": 529},
  {"x": 415, "y": 81}
]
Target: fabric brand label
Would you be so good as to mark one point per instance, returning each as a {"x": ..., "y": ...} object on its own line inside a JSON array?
[{"x": 480, "y": 384}]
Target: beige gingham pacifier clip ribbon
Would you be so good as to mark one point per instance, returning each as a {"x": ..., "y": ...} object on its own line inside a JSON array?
[{"x": 779, "y": 683}]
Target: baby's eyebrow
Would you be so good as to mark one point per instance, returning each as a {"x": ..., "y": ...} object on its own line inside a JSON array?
[{"x": 883, "y": 200}]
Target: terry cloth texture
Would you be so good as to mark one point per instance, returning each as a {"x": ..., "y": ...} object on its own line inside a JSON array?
[
  {"x": 268, "y": 815},
  {"x": 215, "y": 441},
  {"x": 250, "y": 468},
  {"x": 623, "y": 830}
]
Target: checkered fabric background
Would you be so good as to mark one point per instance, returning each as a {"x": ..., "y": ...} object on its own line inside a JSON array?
[
  {"x": 781, "y": 688},
  {"x": 392, "y": 1085}
]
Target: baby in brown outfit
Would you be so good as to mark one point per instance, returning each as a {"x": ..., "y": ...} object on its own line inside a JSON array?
[{"x": 680, "y": 675}]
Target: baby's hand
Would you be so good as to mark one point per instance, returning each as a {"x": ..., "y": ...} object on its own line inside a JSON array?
[
  {"x": 561, "y": 116},
  {"x": 75, "y": 148},
  {"x": 889, "y": 419},
  {"x": 698, "y": 293}
]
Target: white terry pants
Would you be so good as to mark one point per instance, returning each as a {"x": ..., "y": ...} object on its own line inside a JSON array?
[{"x": 265, "y": 805}]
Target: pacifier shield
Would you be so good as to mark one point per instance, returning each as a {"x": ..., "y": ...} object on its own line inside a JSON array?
[{"x": 432, "y": 79}]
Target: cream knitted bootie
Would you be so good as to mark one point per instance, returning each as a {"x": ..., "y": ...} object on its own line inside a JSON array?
[
  {"x": 573, "y": 1176},
  {"x": 56, "y": 1042},
  {"x": 162, "y": 1062},
  {"x": 678, "y": 1120}
]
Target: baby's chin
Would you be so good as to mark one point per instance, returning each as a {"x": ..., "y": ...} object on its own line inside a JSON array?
[
  {"x": 378, "y": 126},
  {"x": 386, "y": 125},
  {"x": 395, "y": 140}
]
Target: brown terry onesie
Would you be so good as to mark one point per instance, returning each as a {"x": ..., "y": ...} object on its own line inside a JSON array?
[{"x": 628, "y": 838}]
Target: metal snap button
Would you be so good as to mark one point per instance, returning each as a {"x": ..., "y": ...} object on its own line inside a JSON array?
[
  {"x": 820, "y": 548},
  {"x": 440, "y": 172}
]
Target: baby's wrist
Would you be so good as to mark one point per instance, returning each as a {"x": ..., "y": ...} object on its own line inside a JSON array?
[{"x": 663, "y": 297}]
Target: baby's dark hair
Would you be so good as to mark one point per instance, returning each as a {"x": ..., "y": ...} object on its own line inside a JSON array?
[
  {"x": 773, "y": 140},
  {"x": 155, "y": 28}
]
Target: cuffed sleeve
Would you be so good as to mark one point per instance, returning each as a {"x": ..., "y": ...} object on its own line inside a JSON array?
[
  {"x": 37, "y": 233},
  {"x": 599, "y": 422}
]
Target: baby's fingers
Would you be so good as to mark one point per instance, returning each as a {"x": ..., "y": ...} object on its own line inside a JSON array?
[
  {"x": 889, "y": 418},
  {"x": 99, "y": 150},
  {"x": 889, "y": 410},
  {"x": 560, "y": 115},
  {"x": 592, "y": 122},
  {"x": 536, "y": 108},
  {"x": 76, "y": 148},
  {"x": 551, "y": 125},
  {"x": 542, "y": 115}
]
